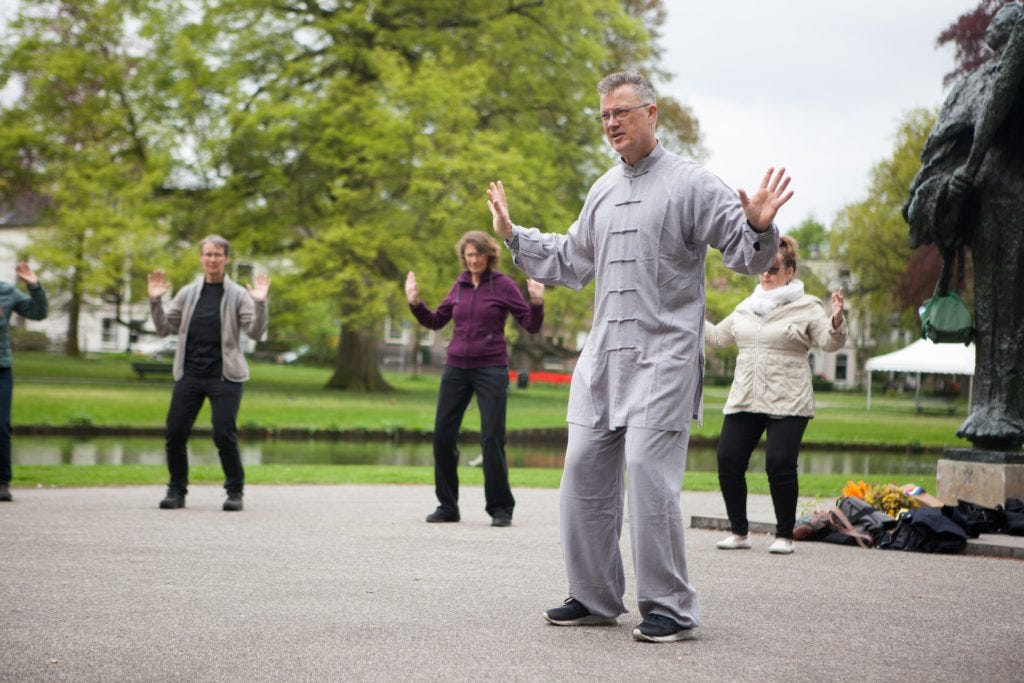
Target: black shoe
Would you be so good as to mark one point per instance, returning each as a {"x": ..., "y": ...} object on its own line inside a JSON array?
[
  {"x": 573, "y": 613},
  {"x": 501, "y": 519},
  {"x": 234, "y": 502},
  {"x": 443, "y": 515},
  {"x": 5, "y": 494},
  {"x": 175, "y": 499},
  {"x": 658, "y": 629}
]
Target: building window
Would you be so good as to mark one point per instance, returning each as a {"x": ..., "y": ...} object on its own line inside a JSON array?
[
  {"x": 394, "y": 332},
  {"x": 108, "y": 335},
  {"x": 133, "y": 332},
  {"x": 244, "y": 272},
  {"x": 841, "y": 361}
]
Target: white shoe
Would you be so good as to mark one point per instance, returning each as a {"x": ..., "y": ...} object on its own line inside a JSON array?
[
  {"x": 477, "y": 461},
  {"x": 735, "y": 542},
  {"x": 781, "y": 546}
]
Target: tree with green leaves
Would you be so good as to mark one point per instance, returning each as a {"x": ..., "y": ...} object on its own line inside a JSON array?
[
  {"x": 82, "y": 135},
  {"x": 812, "y": 236},
  {"x": 340, "y": 143},
  {"x": 870, "y": 236},
  {"x": 358, "y": 138}
]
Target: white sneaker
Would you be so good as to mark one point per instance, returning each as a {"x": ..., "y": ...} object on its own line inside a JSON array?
[
  {"x": 781, "y": 546},
  {"x": 735, "y": 542}
]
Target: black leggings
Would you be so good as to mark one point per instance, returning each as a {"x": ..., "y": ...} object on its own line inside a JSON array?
[{"x": 740, "y": 434}]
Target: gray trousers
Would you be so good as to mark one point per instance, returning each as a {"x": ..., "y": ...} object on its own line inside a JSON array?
[{"x": 591, "y": 507}]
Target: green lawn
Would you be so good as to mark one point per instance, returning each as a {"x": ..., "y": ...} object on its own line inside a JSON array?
[
  {"x": 52, "y": 390},
  {"x": 59, "y": 391},
  {"x": 823, "y": 486}
]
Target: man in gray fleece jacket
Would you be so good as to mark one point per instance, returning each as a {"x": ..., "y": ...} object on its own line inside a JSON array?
[{"x": 208, "y": 316}]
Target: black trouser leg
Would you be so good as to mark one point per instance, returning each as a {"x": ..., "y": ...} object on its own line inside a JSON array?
[
  {"x": 491, "y": 387},
  {"x": 225, "y": 399},
  {"x": 740, "y": 434},
  {"x": 456, "y": 390},
  {"x": 782, "y": 448},
  {"x": 6, "y": 393},
  {"x": 186, "y": 400}
]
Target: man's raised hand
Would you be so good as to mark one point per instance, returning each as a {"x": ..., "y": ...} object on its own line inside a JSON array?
[
  {"x": 762, "y": 206},
  {"x": 156, "y": 284},
  {"x": 260, "y": 287}
]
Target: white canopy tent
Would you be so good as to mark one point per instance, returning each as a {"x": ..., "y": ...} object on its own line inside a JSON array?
[{"x": 924, "y": 356}]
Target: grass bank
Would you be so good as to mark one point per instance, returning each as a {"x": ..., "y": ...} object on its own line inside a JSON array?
[
  {"x": 824, "y": 486},
  {"x": 56, "y": 391}
]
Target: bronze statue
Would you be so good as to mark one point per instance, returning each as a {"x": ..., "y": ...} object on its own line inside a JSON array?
[{"x": 970, "y": 191}]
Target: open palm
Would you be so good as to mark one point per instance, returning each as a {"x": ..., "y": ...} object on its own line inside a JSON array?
[{"x": 762, "y": 206}]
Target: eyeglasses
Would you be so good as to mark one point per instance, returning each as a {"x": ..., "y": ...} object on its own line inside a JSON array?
[
  {"x": 619, "y": 114},
  {"x": 772, "y": 270}
]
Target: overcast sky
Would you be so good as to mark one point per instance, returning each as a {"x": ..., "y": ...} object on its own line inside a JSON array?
[{"x": 816, "y": 85}]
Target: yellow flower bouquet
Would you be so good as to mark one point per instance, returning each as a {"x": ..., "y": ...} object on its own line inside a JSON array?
[{"x": 889, "y": 498}]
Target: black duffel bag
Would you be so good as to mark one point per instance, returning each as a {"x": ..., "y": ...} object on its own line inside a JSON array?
[{"x": 925, "y": 530}]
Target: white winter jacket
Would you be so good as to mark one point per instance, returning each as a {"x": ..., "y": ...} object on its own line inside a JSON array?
[{"x": 773, "y": 375}]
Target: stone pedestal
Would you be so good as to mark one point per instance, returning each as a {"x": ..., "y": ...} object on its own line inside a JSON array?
[{"x": 982, "y": 477}]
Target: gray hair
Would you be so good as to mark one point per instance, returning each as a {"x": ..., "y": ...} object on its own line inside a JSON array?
[
  {"x": 641, "y": 86},
  {"x": 216, "y": 240}
]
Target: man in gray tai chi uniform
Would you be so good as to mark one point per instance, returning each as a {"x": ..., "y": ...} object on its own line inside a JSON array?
[{"x": 642, "y": 235}]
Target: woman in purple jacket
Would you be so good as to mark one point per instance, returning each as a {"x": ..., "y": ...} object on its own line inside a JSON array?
[{"x": 477, "y": 362}]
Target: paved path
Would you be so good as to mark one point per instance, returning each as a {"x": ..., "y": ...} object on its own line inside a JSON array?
[{"x": 349, "y": 583}]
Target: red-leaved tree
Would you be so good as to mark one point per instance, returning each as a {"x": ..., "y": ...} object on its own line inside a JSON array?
[{"x": 967, "y": 33}]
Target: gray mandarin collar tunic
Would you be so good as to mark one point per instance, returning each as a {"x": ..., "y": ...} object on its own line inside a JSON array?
[{"x": 642, "y": 235}]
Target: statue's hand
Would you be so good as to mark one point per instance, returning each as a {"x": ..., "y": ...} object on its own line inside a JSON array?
[{"x": 959, "y": 186}]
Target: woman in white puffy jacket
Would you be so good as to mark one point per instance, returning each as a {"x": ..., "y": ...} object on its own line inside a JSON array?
[{"x": 774, "y": 329}]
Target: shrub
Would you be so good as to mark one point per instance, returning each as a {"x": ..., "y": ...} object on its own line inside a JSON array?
[
  {"x": 819, "y": 384},
  {"x": 28, "y": 340}
]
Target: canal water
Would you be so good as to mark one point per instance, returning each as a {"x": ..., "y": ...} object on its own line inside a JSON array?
[{"x": 61, "y": 450}]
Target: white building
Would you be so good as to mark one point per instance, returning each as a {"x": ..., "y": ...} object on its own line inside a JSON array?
[{"x": 98, "y": 326}]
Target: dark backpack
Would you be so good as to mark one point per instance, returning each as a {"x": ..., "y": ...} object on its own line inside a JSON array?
[
  {"x": 1014, "y": 517},
  {"x": 866, "y": 518},
  {"x": 925, "y": 530},
  {"x": 980, "y": 519}
]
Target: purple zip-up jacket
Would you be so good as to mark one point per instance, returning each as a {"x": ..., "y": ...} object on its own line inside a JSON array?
[{"x": 480, "y": 314}]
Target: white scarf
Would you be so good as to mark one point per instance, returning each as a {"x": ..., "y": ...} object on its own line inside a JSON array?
[{"x": 762, "y": 301}]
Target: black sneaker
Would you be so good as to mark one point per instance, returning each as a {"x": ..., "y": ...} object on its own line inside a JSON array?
[
  {"x": 443, "y": 515},
  {"x": 501, "y": 519},
  {"x": 234, "y": 502},
  {"x": 5, "y": 494},
  {"x": 658, "y": 629},
  {"x": 175, "y": 499},
  {"x": 573, "y": 613}
]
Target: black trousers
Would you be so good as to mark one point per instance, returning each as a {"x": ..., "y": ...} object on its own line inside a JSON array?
[
  {"x": 457, "y": 387},
  {"x": 186, "y": 401},
  {"x": 740, "y": 434},
  {"x": 6, "y": 392}
]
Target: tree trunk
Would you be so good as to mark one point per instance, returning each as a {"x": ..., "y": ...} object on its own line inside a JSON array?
[
  {"x": 355, "y": 366},
  {"x": 74, "y": 310}
]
